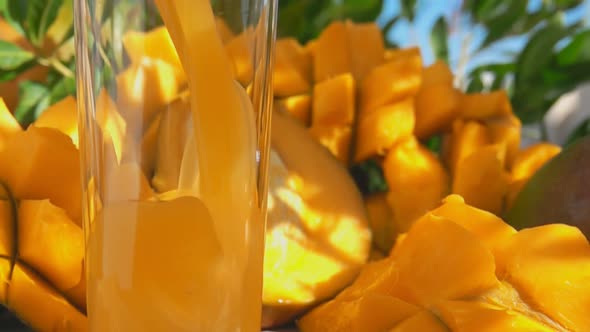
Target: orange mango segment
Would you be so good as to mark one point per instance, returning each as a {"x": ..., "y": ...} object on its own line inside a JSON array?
[
  {"x": 423, "y": 321},
  {"x": 330, "y": 52},
  {"x": 368, "y": 38},
  {"x": 127, "y": 182},
  {"x": 550, "y": 267},
  {"x": 416, "y": 179},
  {"x": 391, "y": 82},
  {"x": 479, "y": 106},
  {"x": 381, "y": 221},
  {"x": 466, "y": 137},
  {"x": 482, "y": 180},
  {"x": 401, "y": 53},
  {"x": 379, "y": 130},
  {"x": 287, "y": 80},
  {"x": 144, "y": 89},
  {"x": 4, "y": 278},
  {"x": 505, "y": 130},
  {"x": 335, "y": 138},
  {"x": 437, "y": 73},
  {"x": 489, "y": 228},
  {"x": 7, "y": 229},
  {"x": 464, "y": 316},
  {"x": 297, "y": 106},
  {"x": 334, "y": 101},
  {"x": 41, "y": 306},
  {"x": 155, "y": 44},
  {"x": 531, "y": 159},
  {"x": 430, "y": 268},
  {"x": 371, "y": 312},
  {"x": 50, "y": 242},
  {"x": 62, "y": 116},
  {"x": 378, "y": 277},
  {"x": 436, "y": 108},
  {"x": 43, "y": 163},
  {"x": 8, "y": 124},
  {"x": 298, "y": 56}
]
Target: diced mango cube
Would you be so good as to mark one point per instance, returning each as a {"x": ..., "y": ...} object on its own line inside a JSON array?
[
  {"x": 334, "y": 101},
  {"x": 298, "y": 56},
  {"x": 505, "y": 129},
  {"x": 62, "y": 116},
  {"x": 437, "y": 73},
  {"x": 287, "y": 78},
  {"x": 366, "y": 48},
  {"x": 479, "y": 106},
  {"x": 331, "y": 52},
  {"x": 466, "y": 137},
  {"x": 335, "y": 138},
  {"x": 436, "y": 108},
  {"x": 297, "y": 106},
  {"x": 379, "y": 130}
]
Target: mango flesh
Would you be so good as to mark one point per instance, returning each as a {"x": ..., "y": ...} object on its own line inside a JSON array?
[
  {"x": 334, "y": 101},
  {"x": 62, "y": 116},
  {"x": 7, "y": 228},
  {"x": 422, "y": 321}
]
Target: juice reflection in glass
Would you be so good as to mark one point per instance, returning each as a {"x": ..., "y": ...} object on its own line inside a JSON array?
[{"x": 174, "y": 115}]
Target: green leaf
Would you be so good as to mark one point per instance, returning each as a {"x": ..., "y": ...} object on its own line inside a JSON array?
[
  {"x": 475, "y": 84},
  {"x": 438, "y": 39},
  {"x": 505, "y": 21},
  {"x": 40, "y": 15},
  {"x": 34, "y": 98},
  {"x": 434, "y": 143},
  {"x": 63, "y": 88},
  {"x": 581, "y": 131},
  {"x": 369, "y": 177},
  {"x": 408, "y": 9},
  {"x": 14, "y": 13},
  {"x": 578, "y": 50},
  {"x": 484, "y": 11},
  {"x": 12, "y": 56}
]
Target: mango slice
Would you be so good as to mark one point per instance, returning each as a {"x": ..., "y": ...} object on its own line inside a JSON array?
[
  {"x": 330, "y": 52},
  {"x": 466, "y": 137},
  {"x": 8, "y": 124},
  {"x": 378, "y": 277},
  {"x": 297, "y": 55},
  {"x": 381, "y": 129},
  {"x": 62, "y": 116},
  {"x": 7, "y": 229},
  {"x": 479, "y": 106},
  {"x": 50, "y": 242},
  {"x": 529, "y": 160},
  {"x": 334, "y": 101},
  {"x": 43, "y": 163},
  {"x": 39, "y": 305},
  {"x": 457, "y": 275},
  {"x": 297, "y": 106},
  {"x": 436, "y": 108},
  {"x": 289, "y": 75},
  {"x": 381, "y": 221},
  {"x": 482, "y": 180},
  {"x": 416, "y": 179},
  {"x": 423, "y": 321},
  {"x": 391, "y": 82},
  {"x": 464, "y": 316},
  {"x": 550, "y": 266},
  {"x": 437, "y": 73},
  {"x": 505, "y": 129},
  {"x": 336, "y": 139},
  {"x": 366, "y": 46},
  {"x": 371, "y": 312}
]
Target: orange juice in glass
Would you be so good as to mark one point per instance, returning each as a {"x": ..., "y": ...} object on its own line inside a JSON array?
[{"x": 174, "y": 120}]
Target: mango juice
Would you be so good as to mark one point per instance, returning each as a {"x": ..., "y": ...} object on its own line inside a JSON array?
[{"x": 190, "y": 259}]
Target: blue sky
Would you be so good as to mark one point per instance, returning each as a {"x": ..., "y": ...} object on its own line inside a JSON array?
[{"x": 418, "y": 33}]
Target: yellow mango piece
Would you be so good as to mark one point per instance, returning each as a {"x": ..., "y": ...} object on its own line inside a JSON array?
[
  {"x": 155, "y": 44},
  {"x": 505, "y": 130},
  {"x": 464, "y": 316},
  {"x": 436, "y": 108},
  {"x": 437, "y": 73},
  {"x": 241, "y": 53},
  {"x": 378, "y": 131},
  {"x": 381, "y": 221},
  {"x": 479, "y": 106},
  {"x": 371, "y": 312},
  {"x": 287, "y": 80},
  {"x": 391, "y": 82},
  {"x": 50, "y": 242},
  {"x": 466, "y": 137},
  {"x": 368, "y": 38},
  {"x": 489, "y": 228},
  {"x": 43, "y": 163},
  {"x": 401, "y": 53},
  {"x": 550, "y": 267},
  {"x": 7, "y": 229},
  {"x": 297, "y": 106},
  {"x": 430, "y": 268},
  {"x": 378, "y": 277},
  {"x": 424, "y": 321},
  {"x": 335, "y": 138},
  {"x": 172, "y": 137},
  {"x": 334, "y": 101},
  {"x": 62, "y": 116},
  {"x": 481, "y": 179},
  {"x": 8, "y": 124},
  {"x": 126, "y": 182},
  {"x": 143, "y": 90},
  {"x": 36, "y": 303},
  {"x": 298, "y": 56},
  {"x": 4, "y": 278},
  {"x": 416, "y": 179},
  {"x": 532, "y": 158},
  {"x": 331, "y": 52}
]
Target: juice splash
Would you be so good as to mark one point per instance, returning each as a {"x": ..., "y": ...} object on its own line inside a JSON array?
[{"x": 191, "y": 259}]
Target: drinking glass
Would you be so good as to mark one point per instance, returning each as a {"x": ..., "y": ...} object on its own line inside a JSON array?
[{"x": 174, "y": 105}]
